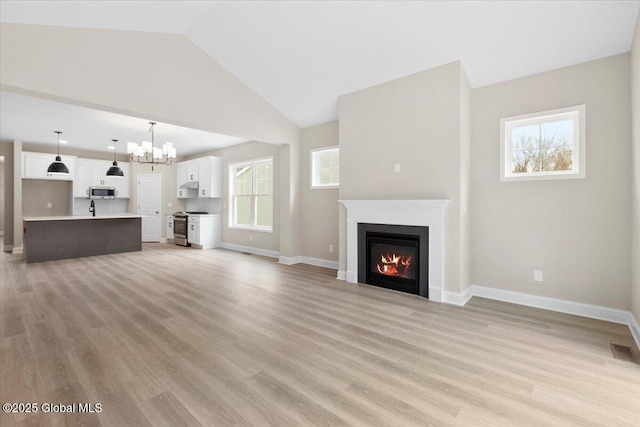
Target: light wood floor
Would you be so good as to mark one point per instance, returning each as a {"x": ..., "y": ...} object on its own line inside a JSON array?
[{"x": 178, "y": 337}]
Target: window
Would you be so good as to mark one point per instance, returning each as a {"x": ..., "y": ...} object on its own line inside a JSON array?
[
  {"x": 325, "y": 168},
  {"x": 544, "y": 145},
  {"x": 251, "y": 195}
]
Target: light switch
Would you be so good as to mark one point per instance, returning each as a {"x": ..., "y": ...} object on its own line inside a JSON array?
[
  {"x": 169, "y": 205},
  {"x": 49, "y": 205},
  {"x": 396, "y": 168}
]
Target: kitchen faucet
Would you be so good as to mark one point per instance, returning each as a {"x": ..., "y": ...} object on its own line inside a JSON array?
[{"x": 92, "y": 208}]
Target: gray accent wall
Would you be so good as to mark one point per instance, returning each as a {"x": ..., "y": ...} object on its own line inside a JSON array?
[
  {"x": 635, "y": 213},
  {"x": 420, "y": 122},
  {"x": 318, "y": 207},
  {"x": 577, "y": 231}
]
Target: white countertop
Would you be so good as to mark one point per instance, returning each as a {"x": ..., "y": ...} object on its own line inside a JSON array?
[{"x": 66, "y": 218}]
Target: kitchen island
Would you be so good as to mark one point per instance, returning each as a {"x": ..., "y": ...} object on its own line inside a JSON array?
[{"x": 49, "y": 238}]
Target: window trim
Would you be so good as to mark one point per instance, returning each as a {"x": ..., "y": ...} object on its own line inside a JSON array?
[
  {"x": 579, "y": 154},
  {"x": 313, "y": 186},
  {"x": 252, "y": 163}
]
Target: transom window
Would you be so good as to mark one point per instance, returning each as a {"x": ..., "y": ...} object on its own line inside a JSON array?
[
  {"x": 325, "y": 168},
  {"x": 543, "y": 145},
  {"x": 251, "y": 195}
]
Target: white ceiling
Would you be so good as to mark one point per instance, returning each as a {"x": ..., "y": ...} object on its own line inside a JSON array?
[
  {"x": 30, "y": 119},
  {"x": 301, "y": 56}
]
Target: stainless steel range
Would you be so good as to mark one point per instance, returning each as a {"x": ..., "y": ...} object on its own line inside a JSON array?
[{"x": 180, "y": 229}]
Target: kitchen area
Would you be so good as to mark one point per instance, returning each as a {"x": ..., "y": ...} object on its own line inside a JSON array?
[{"x": 87, "y": 212}]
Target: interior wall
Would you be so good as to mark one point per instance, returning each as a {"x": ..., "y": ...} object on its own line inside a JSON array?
[
  {"x": 575, "y": 230},
  {"x": 37, "y": 194},
  {"x": 2, "y": 187},
  {"x": 6, "y": 150},
  {"x": 318, "y": 207},
  {"x": 164, "y": 77},
  {"x": 414, "y": 121},
  {"x": 635, "y": 213},
  {"x": 245, "y": 152}
]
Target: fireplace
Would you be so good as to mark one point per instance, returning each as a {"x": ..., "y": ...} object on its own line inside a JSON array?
[
  {"x": 394, "y": 257},
  {"x": 413, "y": 213}
]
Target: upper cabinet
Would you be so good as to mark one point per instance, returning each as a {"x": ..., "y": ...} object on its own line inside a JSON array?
[
  {"x": 182, "y": 178},
  {"x": 206, "y": 172},
  {"x": 93, "y": 173},
  {"x": 210, "y": 182},
  {"x": 192, "y": 170},
  {"x": 35, "y": 165}
]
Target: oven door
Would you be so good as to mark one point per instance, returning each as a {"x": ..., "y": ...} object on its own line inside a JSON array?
[{"x": 180, "y": 231}]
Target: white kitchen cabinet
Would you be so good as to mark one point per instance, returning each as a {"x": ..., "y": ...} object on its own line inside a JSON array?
[
  {"x": 192, "y": 170},
  {"x": 169, "y": 226},
  {"x": 35, "y": 165},
  {"x": 182, "y": 177},
  {"x": 93, "y": 173},
  {"x": 204, "y": 231},
  {"x": 210, "y": 177}
]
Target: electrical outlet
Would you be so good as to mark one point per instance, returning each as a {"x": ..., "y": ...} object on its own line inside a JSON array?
[
  {"x": 537, "y": 275},
  {"x": 49, "y": 205},
  {"x": 250, "y": 236},
  {"x": 169, "y": 205},
  {"x": 396, "y": 168},
  {"x": 330, "y": 248}
]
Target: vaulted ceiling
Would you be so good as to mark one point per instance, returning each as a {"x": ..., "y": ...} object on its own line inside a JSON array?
[{"x": 301, "y": 56}]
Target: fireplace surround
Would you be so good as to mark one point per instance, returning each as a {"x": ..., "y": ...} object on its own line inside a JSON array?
[{"x": 421, "y": 213}]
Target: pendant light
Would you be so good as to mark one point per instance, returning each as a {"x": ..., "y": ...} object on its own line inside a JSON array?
[
  {"x": 114, "y": 170},
  {"x": 57, "y": 167}
]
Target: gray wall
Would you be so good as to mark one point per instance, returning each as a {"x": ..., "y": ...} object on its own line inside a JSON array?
[
  {"x": 318, "y": 207},
  {"x": 577, "y": 230},
  {"x": 2, "y": 186},
  {"x": 635, "y": 213},
  {"x": 415, "y": 121},
  {"x": 244, "y": 152},
  {"x": 36, "y": 194},
  {"x": 6, "y": 150}
]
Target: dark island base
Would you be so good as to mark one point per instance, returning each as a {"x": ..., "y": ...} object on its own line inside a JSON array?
[{"x": 51, "y": 240}]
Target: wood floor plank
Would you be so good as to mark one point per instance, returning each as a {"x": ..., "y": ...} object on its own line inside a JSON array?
[{"x": 179, "y": 336}]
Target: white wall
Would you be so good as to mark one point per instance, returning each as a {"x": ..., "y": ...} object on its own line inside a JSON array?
[
  {"x": 318, "y": 207},
  {"x": 414, "y": 121},
  {"x": 635, "y": 213},
  {"x": 576, "y": 231},
  {"x": 164, "y": 77}
]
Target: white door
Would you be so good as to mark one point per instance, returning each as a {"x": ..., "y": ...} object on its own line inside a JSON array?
[{"x": 149, "y": 204}]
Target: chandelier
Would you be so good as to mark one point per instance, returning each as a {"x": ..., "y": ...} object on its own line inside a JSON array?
[{"x": 148, "y": 153}]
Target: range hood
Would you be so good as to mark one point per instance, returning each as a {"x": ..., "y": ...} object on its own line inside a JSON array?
[{"x": 190, "y": 185}]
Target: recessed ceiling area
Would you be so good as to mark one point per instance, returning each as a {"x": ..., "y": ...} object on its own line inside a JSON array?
[
  {"x": 301, "y": 56},
  {"x": 34, "y": 120}
]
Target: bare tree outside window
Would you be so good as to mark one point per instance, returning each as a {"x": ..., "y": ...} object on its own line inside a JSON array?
[{"x": 542, "y": 147}]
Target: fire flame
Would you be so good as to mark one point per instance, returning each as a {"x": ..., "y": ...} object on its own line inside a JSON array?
[{"x": 393, "y": 265}]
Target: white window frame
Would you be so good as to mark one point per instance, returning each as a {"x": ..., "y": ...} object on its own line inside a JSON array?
[
  {"x": 579, "y": 116},
  {"x": 254, "y": 195},
  {"x": 313, "y": 183}
]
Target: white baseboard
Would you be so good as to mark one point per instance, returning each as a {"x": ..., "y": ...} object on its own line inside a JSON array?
[
  {"x": 457, "y": 298},
  {"x": 342, "y": 275},
  {"x": 17, "y": 250},
  {"x": 289, "y": 260},
  {"x": 163, "y": 240},
  {"x": 591, "y": 311},
  {"x": 318, "y": 262},
  {"x": 7, "y": 248},
  {"x": 635, "y": 329},
  {"x": 250, "y": 250}
]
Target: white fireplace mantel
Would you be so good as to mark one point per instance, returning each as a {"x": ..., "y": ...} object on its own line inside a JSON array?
[{"x": 425, "y": 213}]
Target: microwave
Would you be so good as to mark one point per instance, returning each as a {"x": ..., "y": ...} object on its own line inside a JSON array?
[{"x": 102, "y": 192}]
